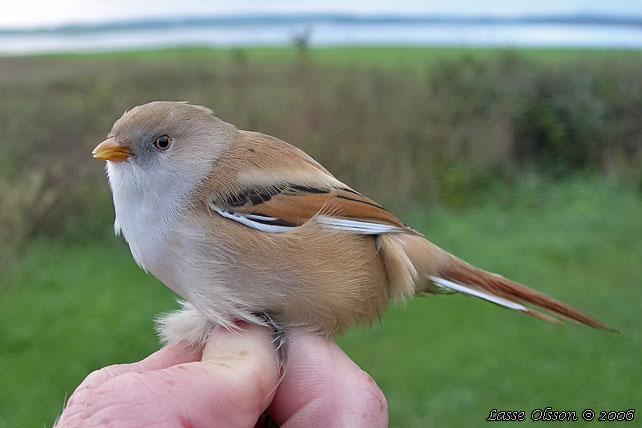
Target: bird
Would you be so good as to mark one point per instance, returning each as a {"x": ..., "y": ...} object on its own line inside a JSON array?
[{"x": 246, "y": 227}]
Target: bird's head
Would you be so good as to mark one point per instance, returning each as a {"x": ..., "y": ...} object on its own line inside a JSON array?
[
  {"x": 162, "y": 148},
  {"x": 162, "y": 132}
]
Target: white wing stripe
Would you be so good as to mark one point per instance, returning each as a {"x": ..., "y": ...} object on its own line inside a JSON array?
[
  {"x": 364, "y": 227},
  {"x": 260, "y": 217},
  {"x": 261, "y": 222},
  {"x": 269, "y": 228},
  {"x": 453, "y": 286}
]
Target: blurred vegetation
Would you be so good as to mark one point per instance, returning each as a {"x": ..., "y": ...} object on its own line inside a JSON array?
[
  {"x": 405, "y": 135},
  {"x": 530, "y": 162}
]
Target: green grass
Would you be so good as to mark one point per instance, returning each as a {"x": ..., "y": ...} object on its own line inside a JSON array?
[
  {"x": 393, "y": 57},
  {"x": 67, "y": 309}
]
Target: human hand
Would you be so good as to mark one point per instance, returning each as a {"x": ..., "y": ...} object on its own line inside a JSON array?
[{"x": 230, "y": 384}]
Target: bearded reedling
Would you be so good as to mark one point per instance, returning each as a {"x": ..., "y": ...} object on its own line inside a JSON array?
[{"x": 247, "y": 227}]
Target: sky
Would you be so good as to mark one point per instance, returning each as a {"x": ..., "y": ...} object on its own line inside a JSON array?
[{"x": 37, "y": 13}]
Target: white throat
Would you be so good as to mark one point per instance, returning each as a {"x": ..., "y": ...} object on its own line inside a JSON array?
[{"x": 147, "y": 202}]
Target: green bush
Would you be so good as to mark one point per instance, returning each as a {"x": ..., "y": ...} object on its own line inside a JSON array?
[{"x": 442, "y": 131}]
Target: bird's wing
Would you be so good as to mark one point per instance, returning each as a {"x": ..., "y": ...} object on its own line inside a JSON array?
[
  {"x": 273, "y": 187},
  {"x": 285, "y": 206}
]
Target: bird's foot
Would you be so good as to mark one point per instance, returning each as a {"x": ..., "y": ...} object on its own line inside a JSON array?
[{"x": 280, "y": 341}]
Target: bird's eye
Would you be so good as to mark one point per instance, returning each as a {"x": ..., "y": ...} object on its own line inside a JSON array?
[{"x": 163, "y": 143}]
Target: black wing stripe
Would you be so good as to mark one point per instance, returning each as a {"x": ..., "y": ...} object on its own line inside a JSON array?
[
  {"x": 360, "y": 200},
  {"x": 254, "y": 196},
  {"x": 308, "y": 189},
  {"x": 271, "y": 221},
  {"x": 345, "y": 189},
  {"x": 258, "y": 195}
]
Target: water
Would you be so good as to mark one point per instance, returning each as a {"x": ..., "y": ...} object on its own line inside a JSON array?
[{"x": 331, "y": 34}]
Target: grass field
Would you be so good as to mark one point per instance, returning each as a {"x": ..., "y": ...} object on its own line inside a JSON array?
[
  {"x": 395, "y": 57},
  {"x": 68, "y": 309},
  {"x": 73, "y": 300}
]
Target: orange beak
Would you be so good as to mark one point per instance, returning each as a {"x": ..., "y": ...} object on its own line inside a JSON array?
[{"x": 112, "y": 150}]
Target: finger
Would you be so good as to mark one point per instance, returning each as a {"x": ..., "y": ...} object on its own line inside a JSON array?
[
  {"x": 323, "y": 387},
  {"x": 230, "y": 387},
  {"x": 168, "y": 356}
]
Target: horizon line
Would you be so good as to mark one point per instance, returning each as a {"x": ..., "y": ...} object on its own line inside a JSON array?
[{"x": 332, "y": 17}]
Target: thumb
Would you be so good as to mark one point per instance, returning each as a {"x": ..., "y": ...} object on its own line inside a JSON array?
[
  {"x": 243, "y": 367},
  {"x": 233, "y": 383},
  {"x": 230, "y": 387}
]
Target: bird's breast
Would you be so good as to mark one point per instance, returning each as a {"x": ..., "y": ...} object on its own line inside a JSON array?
[
  {"x": 147, "y": 235},
  {"x": 146, "y": 217}
]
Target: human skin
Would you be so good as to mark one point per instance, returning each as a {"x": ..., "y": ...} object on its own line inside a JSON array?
[{"x": 230, "y": 384}]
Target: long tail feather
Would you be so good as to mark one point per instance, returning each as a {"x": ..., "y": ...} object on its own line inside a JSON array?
[
  {"x": 510, "y": 304},
  {"x": 497, "y": 286},
  {"x": 444, "y": 272}
]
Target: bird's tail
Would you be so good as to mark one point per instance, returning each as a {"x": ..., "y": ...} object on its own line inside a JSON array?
[{"x": 434, "y": 270}]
